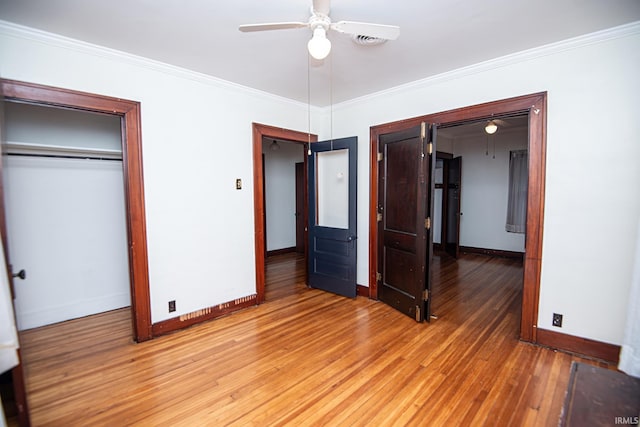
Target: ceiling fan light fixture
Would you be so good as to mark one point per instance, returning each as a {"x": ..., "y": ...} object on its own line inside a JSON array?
[
  {"x": 319, "y": 46},
  {"x": 491, "y": 127}
]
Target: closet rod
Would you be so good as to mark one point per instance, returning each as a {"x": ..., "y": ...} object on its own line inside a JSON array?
[{"x": 60, "y": 156}]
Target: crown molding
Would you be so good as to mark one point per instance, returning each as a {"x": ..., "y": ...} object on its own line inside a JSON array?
[
  {"x": 622, "y": 31},
  {"x": 10, "y": 29},
  {"x": 18, "y": 31}
]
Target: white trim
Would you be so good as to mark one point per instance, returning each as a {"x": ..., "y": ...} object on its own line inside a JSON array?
[
  {"x": 49, "y": 150},
  {"x": 621, "y": 31},
  {"x": 75, "y": 310},
  {"x": 10, "y": 29},
  {"x": 18, "y": 31}
]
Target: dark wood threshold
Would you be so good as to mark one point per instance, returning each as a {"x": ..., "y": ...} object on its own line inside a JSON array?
[
  {"x": 493, "y": 252},
  {"x": 189, "y": 319},
  {"x": 598, "y": 396},
  {"x": 362, "y": 291},
  {"x": 583, "y": 346},
  {"x": 281, "y": 251}
]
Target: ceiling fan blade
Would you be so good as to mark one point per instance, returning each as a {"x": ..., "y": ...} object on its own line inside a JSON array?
[
  {"x": 272, "y": 26},
  {"x": 387, "y": 32},
  {"x": 321, "y": 6}
]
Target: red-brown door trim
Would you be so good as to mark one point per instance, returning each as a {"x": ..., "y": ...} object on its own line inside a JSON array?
[
  {"x": 535, "y": 105},
  {"x": 129, "y": 111},
  {"x": 261, "y": 131}
]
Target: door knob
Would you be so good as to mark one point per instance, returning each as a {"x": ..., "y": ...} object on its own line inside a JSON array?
[
  {"x": 351, "y": 238},
  {"x": 21, "y": 274}
]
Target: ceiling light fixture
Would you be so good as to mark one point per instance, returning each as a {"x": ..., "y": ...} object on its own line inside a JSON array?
[
  {"x": 491, "y": 127},
  {"x": 274, "y": 146},
  {"x": 319, "y": 46}
]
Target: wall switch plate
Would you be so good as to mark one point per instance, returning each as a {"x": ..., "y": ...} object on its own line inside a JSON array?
[
  {"x": 557, "y": 320},
  {"x": 172, "y": 306},
  {"x": 238, "y": 184}
]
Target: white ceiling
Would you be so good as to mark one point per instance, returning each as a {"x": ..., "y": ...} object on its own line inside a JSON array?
[{"x": 435, "y": 36}]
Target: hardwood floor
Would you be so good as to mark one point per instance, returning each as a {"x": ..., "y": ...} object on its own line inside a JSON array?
[{"x": 306, "y": 357}]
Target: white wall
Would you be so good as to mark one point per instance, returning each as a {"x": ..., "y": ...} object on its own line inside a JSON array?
[
  {"x": 196, "y": 134},
  {"x": 196, "y": 140},
  {"x": 66, "y": 222},
  {"x": 280, "y": 193},
  {"x": 31, "y": 124},
  {"x": 485, "y": 189},
  {"x": 592, "y": 86},
  {"x": 66, "y": 216}
]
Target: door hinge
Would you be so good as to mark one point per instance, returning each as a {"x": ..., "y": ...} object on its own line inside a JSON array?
[
  {"x": 425, "y": 295},
  {"x": 430, "y": 148},
  {"x": 427, "y": 223},
  {"x": 379, "y": 217},
  {"x": 417, "y": 313},
  {"x": 423, "y": 130},
  {"x": 378, "y": 277},
  {"x": 380, "y": 157}
]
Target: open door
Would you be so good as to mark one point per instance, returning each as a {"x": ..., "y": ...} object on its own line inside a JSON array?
[
  {"x": 300, "y": 204},
  {"x": 17, "y": 401},
  {"x": 332, "y": 216},
  {"x": 453, "y": 182},
  {"x": 404, "y": 220}
]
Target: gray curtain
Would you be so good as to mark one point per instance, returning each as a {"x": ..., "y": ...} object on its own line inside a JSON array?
[{"x": 517, "y": 202}]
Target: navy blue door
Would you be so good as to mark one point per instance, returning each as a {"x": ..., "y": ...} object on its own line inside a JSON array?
[{"x": 332, "y": 216}]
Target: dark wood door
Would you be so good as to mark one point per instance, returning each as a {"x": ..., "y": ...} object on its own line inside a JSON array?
[
  {"x": 402, "y": 226},
  {"x": 332, "y": 216},
  {"x": 454, "y": 181},
  {"x": 16, "y": 403},
  {"x": 300, "y": 203}
]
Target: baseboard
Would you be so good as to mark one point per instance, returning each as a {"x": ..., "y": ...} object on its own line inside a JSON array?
[
  {"x": 73, "y": 309},
  {"x": 582, "y": 346},
  {"x": 281, "y": 251},
  {"x": 493, "y": 252},
  {"x": 362, "y": 291},
  {"x": 189, "y": 319}
]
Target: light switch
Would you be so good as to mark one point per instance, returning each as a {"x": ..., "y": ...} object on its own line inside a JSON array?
[{"x": 238, "y": 184}]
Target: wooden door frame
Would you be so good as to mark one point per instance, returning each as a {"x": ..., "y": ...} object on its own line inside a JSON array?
[
  {"x": 261, "y": 131},
  {"x": 535, "y": 105},
  {"x": 300, "y": 199},
  {"x": 129, "y": 112}
]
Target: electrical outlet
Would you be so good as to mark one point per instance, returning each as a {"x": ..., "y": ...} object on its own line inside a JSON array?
[
  {"x": 238, "y": 184},
  {"x": 557, "y": 320},
  {"x": 172, "y": 306}
]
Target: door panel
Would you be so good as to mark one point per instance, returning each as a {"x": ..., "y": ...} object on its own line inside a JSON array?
[
  {"x": 300, "y": 202},
  {"x": 402, "y": 244},
  {"x": 454, "y": 179},
  {"x": 430, "y": 208},
  {"x": 332, "y": 216}
]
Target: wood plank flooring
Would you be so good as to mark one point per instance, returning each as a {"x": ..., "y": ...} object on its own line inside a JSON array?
[{"x": 306, "y": 357}]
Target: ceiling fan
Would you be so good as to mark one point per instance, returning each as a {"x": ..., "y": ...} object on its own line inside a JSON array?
[{"x": 319, "y": 23}]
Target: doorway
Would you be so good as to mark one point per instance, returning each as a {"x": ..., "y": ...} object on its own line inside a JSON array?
[
  {"x": 261, "y": 133},
  {"x": 129, "y": 113},
  {"x": 534, "y": 106},
  {"x": 64, "y": 205},
  {"x": 284, "y": 187}
]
